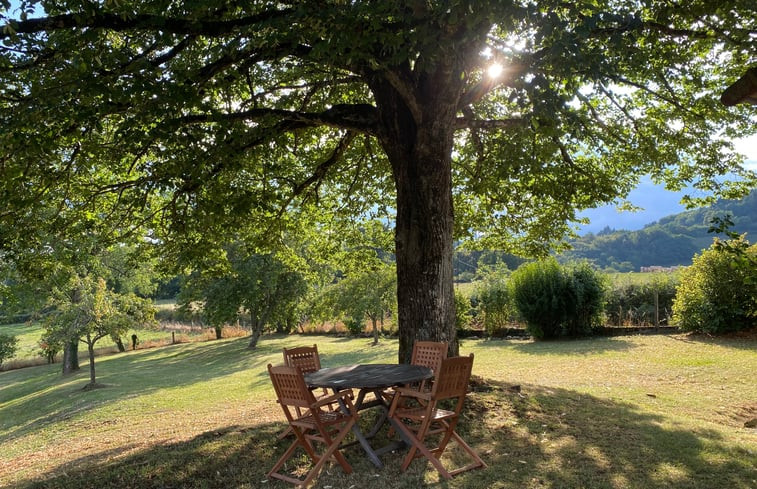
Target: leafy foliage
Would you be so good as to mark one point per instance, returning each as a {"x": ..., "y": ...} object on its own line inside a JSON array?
[
  {"x": 495, "y": 299},
  {"x": 555, "y": 300},
  {"x": 631, "y": 303},
  {"x": 258, "y": 285},
  {"x": 540, "y": 294},
  {"x": 8, "y": 347},
  {"x": 585, "y": 309},
  {"x": 462, "y": 311},
  {"x": 91, "y": 312},
  {"x": 716, "y": 293}
]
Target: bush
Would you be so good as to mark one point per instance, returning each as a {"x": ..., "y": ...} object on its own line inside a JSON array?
[
  {"x": 462, "y": 311},
  {"x": 539, "y": 292},
  {"x": 558, "y": 301},
  {"x": 8, "y": 347},
  {"x": 717, "y": 293},
  {"x": 587, "y": 289},
  {"x": 495, "y": 301},
  {"x": 633, "y": 304}
]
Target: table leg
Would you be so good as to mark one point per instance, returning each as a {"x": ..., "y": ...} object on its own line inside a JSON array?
[{"x": 359, "y": 434}]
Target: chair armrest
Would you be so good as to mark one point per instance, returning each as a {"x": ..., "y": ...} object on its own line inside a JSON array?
[
  {"x": 410, "y": 392},
  {"x": 341, "y": 395}
]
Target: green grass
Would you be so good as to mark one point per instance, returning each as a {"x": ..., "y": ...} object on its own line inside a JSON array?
[
  {"x": 620, "y": 413},
  {"x": 30, "y": 334}
]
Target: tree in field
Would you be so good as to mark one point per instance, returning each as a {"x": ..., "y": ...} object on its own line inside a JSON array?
[
  {"x": 191, "y": 119},
  {"x": 93, "y": 312},
  {"x": 368, "y": 293},
  {"x": 8, "y": 347},
  {"x": 259, "y": 285}
]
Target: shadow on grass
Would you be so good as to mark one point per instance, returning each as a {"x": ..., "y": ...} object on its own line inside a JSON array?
[
  {"x": 561, "y": 347},
  {"x": 744, "y": 340},
  {"x": 39, "y": 396},
  {"x": 539, "y": 438}
]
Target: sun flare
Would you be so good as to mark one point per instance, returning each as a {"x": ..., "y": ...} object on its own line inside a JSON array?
[{"x": 494, "y": 70}]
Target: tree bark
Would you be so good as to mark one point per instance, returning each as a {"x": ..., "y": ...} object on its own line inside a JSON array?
[
  {"x": 374, "y": 322},
  {"x": 419, "y": 147},
  {"x": 71, "y": 357},
  {"x": 91, "y": 349},
  {"x": 256, "y": 327}
]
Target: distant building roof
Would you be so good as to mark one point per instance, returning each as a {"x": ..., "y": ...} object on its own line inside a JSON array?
[{"x": 743, "y": 90}]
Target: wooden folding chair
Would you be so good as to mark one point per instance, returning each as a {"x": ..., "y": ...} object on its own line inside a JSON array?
[
  {"x": 429, "y": 354},
  {"x": 426, "y": 419},
  {"x": 311, "y": 422},
  {"x": 426, "y": 354},
  {"x": 306, "y": 358}
]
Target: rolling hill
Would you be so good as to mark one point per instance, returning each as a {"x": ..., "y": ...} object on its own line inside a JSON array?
[{"x": 670, "y": 241}]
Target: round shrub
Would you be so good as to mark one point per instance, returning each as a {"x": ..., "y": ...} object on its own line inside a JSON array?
[
  {"x": 540, "y": 292},
  {"x": 585, "y": 292},
  {"x": 716, "y": 293}
]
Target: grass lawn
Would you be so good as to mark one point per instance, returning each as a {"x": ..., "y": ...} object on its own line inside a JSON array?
[{"x": 621, "y": 413}]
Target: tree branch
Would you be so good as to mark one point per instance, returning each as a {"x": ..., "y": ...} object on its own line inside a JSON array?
[
  {"x": 488, "y": 124},
  {"x": 361, "y": 118},
  {"x": 145, "y": 22}
]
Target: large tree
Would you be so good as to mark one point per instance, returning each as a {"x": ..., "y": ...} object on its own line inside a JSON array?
[{"x": 193, "y": 117}]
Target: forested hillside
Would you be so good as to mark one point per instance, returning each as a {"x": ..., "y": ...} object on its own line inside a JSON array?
[{"x": 670, "y": 241}]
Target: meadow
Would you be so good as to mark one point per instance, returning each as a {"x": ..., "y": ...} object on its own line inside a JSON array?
[{"x": 622, "y": 413}]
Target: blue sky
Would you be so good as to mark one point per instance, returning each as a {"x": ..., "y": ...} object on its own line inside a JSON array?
[{"x": 654, "y": 199}]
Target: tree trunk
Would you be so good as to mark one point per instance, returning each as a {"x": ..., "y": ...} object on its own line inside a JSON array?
[
  {"x": 419, "y": 147},
  {"x": 119, "y": 344},
  {"x": 219, "y": 332},
  {"x": 256, "y": 327},
  {"x": 71, "y": 357},
  {"x": 91, "y": 349},
  {"x": 374, "y": 322}
]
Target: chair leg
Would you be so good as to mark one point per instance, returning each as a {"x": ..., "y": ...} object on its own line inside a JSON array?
[
  {"x": 417, "y": 444},
  {"x": 332, "y": 450}
]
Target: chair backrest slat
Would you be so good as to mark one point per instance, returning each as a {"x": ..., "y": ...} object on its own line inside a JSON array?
[
  {"x": 304, "y": 357},
  {"x": 452, "y": 378},
  {"x": 429, "y": 354},
  {"x": 290, "y": 387}
]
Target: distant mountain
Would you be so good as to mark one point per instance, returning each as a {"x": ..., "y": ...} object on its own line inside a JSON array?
[{"x": 670, "y": 241}]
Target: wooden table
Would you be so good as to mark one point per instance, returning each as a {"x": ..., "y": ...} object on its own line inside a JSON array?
[{"x": 369, "y": 378}]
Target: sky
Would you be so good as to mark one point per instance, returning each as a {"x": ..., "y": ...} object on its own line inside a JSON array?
[{"x": 654, "y": 199}]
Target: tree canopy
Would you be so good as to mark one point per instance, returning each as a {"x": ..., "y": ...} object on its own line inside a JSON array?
[{"x": 184, "y": 120}]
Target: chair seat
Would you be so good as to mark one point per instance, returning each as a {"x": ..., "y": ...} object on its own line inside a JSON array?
[
  {"x": 326, "y": 418},
  {"x": 420, "y": 413}
]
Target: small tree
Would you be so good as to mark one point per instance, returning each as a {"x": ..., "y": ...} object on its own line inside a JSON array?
[
  {"x": 259, "y": 285},
  {"x": 716, "y": 293},
  {"x": 365, "y": 294},
  {"x": 95, "y": 312},
  {"x": 8, "y": 347}
]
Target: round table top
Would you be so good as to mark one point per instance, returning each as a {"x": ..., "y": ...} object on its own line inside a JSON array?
[{"x": 367, "y": 376}]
